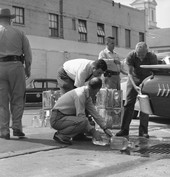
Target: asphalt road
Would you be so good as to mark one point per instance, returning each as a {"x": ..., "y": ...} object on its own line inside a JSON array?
[{"x": 40, "y": 156}]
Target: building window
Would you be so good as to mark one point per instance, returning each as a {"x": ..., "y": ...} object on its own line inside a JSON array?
[
  {"x": 74, "y": 24},
  {"x": 19, "y": 12},
  {"x": 53, "y": 25},
  {"x": 100, "y": 33},
  {"x": 152, "y": 15},
  {"x": 141, "y": 37},
  {"x": 82, "y": 29},
  {"x": 127, "y": 38},
  {"x": 115, "y": 34}
]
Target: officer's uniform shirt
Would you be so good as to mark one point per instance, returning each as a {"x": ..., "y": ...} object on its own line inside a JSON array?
[
  {"x": 75, "y": 102},
  {"x": 78, "y": 70},
  {"x": 109, "y": 58},
  {"x": 112, "y": 82},
  {"x": 14, "y": 42}
]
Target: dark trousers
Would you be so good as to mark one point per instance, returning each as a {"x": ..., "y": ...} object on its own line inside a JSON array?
[
  {"x": 65, "y": 83},
  {"x": 131, "y": 95},
  {"x": 68, "y": 126}
]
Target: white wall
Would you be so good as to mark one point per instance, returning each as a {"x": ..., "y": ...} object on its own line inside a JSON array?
[{"x": 50, "y": 54}]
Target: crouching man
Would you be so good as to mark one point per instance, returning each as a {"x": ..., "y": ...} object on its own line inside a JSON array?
[{"x": 69, "y": 117}]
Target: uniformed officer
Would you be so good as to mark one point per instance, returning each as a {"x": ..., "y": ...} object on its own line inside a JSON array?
[{"x": 13, "y": 45}]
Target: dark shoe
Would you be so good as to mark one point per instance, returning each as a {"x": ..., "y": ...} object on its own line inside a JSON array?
[
  {"x": 145, "y": 135},
  {"x": 122, "y": 133},
  {"x": 60, "y": 140},
  {"x": 82, "y": 137},
  {"x": 17, "y": 132},
  {"x": 7, "y": 136}
]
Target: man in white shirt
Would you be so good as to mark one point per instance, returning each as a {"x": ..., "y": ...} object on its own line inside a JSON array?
[
  {"x": 74, "y": 73},
  {"x": 69, "y": 117},
  {"x": 114, "y": 66}
]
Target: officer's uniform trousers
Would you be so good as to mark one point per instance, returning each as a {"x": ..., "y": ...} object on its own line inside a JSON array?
[{"x": 12, "y": 91}]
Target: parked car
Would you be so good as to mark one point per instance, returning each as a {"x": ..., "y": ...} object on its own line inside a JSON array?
[
  {"x": 163, "y": 59},
  {"x": 157, "y": 88},
  {"x": 35, "y": 88}
]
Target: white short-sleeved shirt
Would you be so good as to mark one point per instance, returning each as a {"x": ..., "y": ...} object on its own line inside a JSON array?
[
  {"x": 109, "y": 58},
  {"x": 78, "y": 70}
]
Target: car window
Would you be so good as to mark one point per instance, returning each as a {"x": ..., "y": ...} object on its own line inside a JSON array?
[
  {"x": 38, "y": 84},
  {"x": 166, "y": 60},
  {"x": 51, "y": 84}
]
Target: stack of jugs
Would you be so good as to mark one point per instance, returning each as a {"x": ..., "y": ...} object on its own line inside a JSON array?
[{"x": 116, "y": 143}]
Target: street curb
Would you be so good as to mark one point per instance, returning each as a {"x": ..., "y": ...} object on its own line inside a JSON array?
[{"x": 28, "y": 151}]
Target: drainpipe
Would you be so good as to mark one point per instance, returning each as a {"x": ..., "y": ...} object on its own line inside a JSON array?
[{"x": 61, "y": 19}]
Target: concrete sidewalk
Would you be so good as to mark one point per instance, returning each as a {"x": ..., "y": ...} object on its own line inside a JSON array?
[
  {"x": 41, "y": 138},
  {"x": 39, "y": 156},
  {"x": 37, "y": 139}
]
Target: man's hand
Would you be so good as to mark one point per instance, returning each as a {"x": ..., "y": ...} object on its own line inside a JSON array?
[
  {"x": 108, "y": 132},
  {"x": 28, "y": 72},
  {"x": 117, "y": 62},
  {"x": 138, "y": 89},
  {"x": 97, "y": 135}
]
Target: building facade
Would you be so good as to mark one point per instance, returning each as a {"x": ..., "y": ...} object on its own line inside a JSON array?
[
  {"x": 158, "y": 39},
  {"x": 59, "y": 30},
  {"x": 149, "y": 6}
]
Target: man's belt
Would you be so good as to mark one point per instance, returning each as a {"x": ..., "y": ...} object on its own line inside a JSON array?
[
  {"x": 109, "y": 73},
  {"x": 11, "y": 58},
  {"x": 59, "y": 112}
]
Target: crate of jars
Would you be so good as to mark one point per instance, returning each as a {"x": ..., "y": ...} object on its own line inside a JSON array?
[
  {"x": 49, "y": 98},
  {"x": 109, "y": 98},
  {"x": 112, "y": 116}
]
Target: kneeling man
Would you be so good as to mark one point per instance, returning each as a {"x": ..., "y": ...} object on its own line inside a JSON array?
[{"x": 69, "y": 117}]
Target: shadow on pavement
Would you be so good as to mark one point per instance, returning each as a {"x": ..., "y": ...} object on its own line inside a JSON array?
[{"x": 36, "y": 141}]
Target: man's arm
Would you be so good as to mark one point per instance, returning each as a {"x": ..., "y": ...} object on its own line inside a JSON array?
[
  {"x": 102, "y": 55},
  {"x": 27, "y": 55},
  {"x": 92, "y": 111},
  {"x": 130, "y": 71},
  {"x": 80, "y": 78},
  {"x": 98, "y": 119}
]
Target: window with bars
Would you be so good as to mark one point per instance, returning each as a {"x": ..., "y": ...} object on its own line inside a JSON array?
[
  {"x": 82, "y": 29},
  {"x": 53, "y": 25},
  {"x": 19, "y": 12},
  {"x": 127, "y": 38},
  {"x": 141, "y": 37},
  {"x": 100, "y": 33},
  {"x": 115, "y": 34}
]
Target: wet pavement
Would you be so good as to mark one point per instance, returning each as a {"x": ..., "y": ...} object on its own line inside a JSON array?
[{"x": 38, "y": 155}]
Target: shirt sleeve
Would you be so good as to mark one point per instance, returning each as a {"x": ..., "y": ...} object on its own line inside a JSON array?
[
  {"x": 27, "y": 51},
  {"x": 154, "y": 59},
  {"x": 102, "y": 55},
  {"x": 129, "y": 59},
  {"x": 80, "y": 78},
  {"x": 80, "y": 104}
]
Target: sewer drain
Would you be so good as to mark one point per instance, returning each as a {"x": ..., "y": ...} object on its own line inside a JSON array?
[{"x": 156, "y": 149}]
